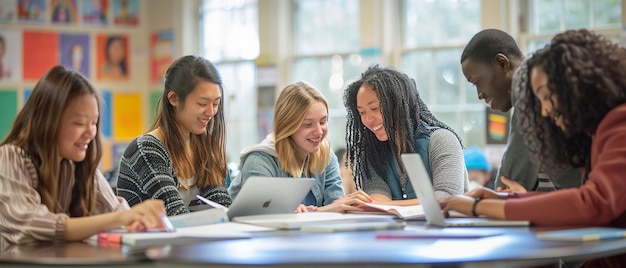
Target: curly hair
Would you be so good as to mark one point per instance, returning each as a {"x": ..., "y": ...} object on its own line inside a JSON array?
[
  {"x": 587, "y": 75},
  {"x": 404, "y": 114}
]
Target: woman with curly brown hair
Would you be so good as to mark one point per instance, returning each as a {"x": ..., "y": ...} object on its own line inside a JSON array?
[{"x": 572, "y": 114}]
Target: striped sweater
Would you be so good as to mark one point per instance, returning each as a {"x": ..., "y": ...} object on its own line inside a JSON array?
[
  {"x": 146, "y": 172},
  {"x": 23, "y": 218}
]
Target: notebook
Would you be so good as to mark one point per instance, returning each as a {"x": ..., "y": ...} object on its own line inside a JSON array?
[
  {"x": 584, "y": 234},
  {"x": 267, "y": 195},
  {"x": 432, "y": 211}
]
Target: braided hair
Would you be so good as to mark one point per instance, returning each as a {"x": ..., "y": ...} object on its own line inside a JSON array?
[{"x": 404, "y": 114}]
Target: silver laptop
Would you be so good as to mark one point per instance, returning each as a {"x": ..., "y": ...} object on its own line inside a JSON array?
[
  {"x": 432, "y": 211},
  {"x": 267, "y": 195}
]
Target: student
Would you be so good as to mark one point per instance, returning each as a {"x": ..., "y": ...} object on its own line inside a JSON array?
[
  {"x": 347, "y": 179},
  {"x": 184, "y": 153},
  {"x": 478, "y": 167},
  {"x": 299, "y": 147},
  {"x": 488, "y": 62},
  {"x": 385, "y": 118},
  {"x": 572, "y": 113},
  {"x": 50, "y": 187}
]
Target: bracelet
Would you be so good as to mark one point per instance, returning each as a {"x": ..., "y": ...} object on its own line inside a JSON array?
[{"x": 478, "y": 199}]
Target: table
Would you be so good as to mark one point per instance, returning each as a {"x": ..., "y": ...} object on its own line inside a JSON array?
[
  {"x": 76, "y": 254},
  {"x": 513, "y": 247}
]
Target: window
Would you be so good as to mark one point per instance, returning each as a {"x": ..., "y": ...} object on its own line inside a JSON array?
[
  {"x": 230, "y": 39},
  {"x": 434, "y": 35},
  {"x": 326, "y": 47},
  {"x": 549, "y": 17}
]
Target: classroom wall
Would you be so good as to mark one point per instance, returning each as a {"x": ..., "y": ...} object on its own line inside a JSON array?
[{"x": 36, "y": 43}]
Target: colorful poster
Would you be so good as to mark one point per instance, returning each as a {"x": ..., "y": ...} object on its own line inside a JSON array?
[
  {"x": 117, "y": 150},
  {"x": 8, "y": 11},
  {"x": 95, "y": 12},
  {"x": 105, "y": 114},
  {"x": 127, "y": 115},
  {"x": 161, "y": 54},
  {"x": 106, "y": 163},
  {"x": 32, "y": 10},
  {"x": 41, "y": 52},
  {"x": 8, "y": 110},
  {"x": 125, "y": 12},
  {"x": 27, "y": 92},
  {"x": 112, "y": 57},
  {"x": 497, "y": 126},
  {"x": 10, "y": 56},
  {"x": 75, "y": 52},
  {"x": 63, "y": 11},
  {"x": 155, "y": 96}
]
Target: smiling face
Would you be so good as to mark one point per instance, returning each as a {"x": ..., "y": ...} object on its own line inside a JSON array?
[
  {"x": 492, "y": 81},
  {"x": 548, "y": 101},
  {"x": 78, "y": 127},
  {"x": 312, "y": 131},
  {"x": 199, "y": 108},
  {"x": 368, "y": 105}
]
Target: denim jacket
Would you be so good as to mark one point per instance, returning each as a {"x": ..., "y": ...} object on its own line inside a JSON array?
[{"x": 262, "y": 160}]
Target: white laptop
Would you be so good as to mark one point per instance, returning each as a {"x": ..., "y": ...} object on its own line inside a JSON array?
[
  {"x": 267, "y": 195},
  {"x": 432, "y": 211}
]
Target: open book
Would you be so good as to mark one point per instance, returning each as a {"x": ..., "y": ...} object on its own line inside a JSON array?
[
  {"x": 203, "y": 225},
  {"x": 402, "y": 212},
  {"x": 298, "y": 220}
]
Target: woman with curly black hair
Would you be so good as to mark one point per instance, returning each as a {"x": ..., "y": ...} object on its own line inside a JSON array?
[
  {"x": 572, "y": 114},
  {"x": 386, "y": 118}
]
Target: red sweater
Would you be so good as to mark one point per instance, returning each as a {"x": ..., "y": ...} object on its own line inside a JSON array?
[{"x": 601, "y": 201}]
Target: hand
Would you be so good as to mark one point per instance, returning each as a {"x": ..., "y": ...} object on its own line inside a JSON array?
[
  {"x": 360, "y": 195},
  {"x": 485, "y": 193},
  {"x": 459, "y": 203},
  {"x": 303, "y": 209},
  {"x": 511, "y": 186},
  {"x": 343, "y": 204},
  {"x": 145, "y": 215}
]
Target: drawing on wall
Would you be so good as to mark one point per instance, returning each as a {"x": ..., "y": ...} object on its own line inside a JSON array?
[
  {"x": 105, "y": 114},
  {"x": 95, "y": 12},
  {"x": 8, "y": 10},
  {"x": 497, "y": 126},
  {"x": 75, "y": 52},
  {"x": 161, "y": 49},
  {"x": 8, "y": 109},
  {"x": 32, "y": 10},
  {"x": 63, "y": 11},
  {"x": 126, "y": 115},
  {"x": 10, "y": 55},
  {"x": 125, "y": 12},
  {"x": 112, "y": 57},
  {"x": 41, "y": 52}
]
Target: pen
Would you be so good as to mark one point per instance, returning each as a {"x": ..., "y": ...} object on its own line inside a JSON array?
[{"x": 167, "y": 224}]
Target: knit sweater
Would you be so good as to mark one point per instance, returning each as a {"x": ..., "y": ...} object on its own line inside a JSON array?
[{"x": 147, "y": 172}]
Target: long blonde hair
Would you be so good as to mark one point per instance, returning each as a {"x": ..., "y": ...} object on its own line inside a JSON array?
[
  {"x": 36, "y": 131},
  {"x": 291, "y": 108}
]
